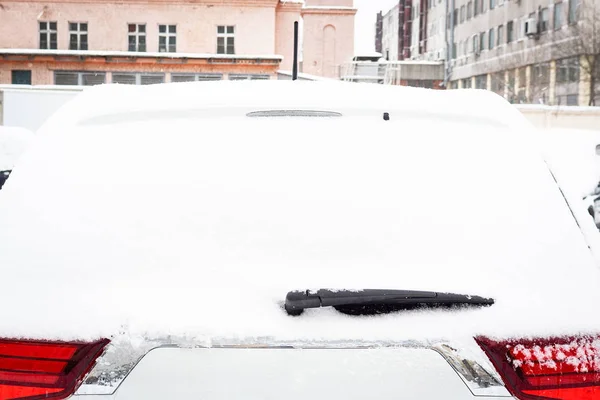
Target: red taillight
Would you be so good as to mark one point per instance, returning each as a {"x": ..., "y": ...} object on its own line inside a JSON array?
[
  {"x": 562, "y": 368},
  {"x": 44, "y": 370}
]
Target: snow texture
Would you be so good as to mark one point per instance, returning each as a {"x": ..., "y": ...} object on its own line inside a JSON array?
[
  {"x": 165, "y": 211},
  {"x": 13, "y": 142}
]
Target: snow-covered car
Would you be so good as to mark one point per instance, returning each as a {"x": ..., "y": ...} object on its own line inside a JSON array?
[
  {"x": 574, "y": 156},
  {"x": 293, "y": 240},
  {"x": 13, "y": 142}
]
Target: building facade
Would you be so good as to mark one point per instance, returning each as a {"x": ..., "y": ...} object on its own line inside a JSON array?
[
  {"x": 83, "y": 42},
  {"x": 528, "y": 51}
]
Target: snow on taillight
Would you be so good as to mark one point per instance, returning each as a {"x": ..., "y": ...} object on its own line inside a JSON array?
[
  {"x": 559, "y": 368},
  {"x": 44, "y": 370}
]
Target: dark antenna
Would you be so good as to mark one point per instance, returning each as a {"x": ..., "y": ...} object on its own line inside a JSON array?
[{"x": 295, "y": 67}]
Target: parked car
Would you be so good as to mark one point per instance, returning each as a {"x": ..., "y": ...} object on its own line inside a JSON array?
[
  {"x": 13, "y": 142},
  {"x": 3, "y": 177},
  {"x": 267, "y": 240}
]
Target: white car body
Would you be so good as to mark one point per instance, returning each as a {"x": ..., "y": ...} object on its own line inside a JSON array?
[{"x": 167, "y": 221}]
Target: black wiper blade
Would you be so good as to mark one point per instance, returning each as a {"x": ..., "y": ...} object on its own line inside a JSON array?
[{"x": 377, "y": 301}]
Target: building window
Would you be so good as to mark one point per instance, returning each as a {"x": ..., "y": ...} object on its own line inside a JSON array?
[
  {"x": 248, "y": 77},
  {"x": 475, "y": 45},
  {"x": 540, "y": 82},
  {"x": 466, "y": 83},
  {"x": 558, "y": 15},
  {"x": 522, "y": 27},
  {"x": 456, "y": 16},
  {"x": 76, "y": 78},
  {"x": 481, "y": 82},
  {"x": 453, "y": 50},
  {"x": 21, "y": 77},
  {"x": 500, "y": 35},
  {"x": 545, "y": 19},
  {"x": 475, "y": 8},
  {"x": 573, "y": 6},
  {"x": 470, "y": 10},
  {"x": 567, "y": 70},
  {"x": 48, "y": 35},
  {"x": 567, "y": 81},
  {"x": 137, "y": 37},
  {"x": 482, "y": 4},
  {"x": 195, "y": 77},
  {"x": 167, "y": 38},
  {"x": 510, "y": 86},
  {"x": 482, "y": 41},
  {"x": 491, "y": 39},
  {"x": 498, "y": 83},
  {"x": 78, "y": 36},
  {"x": 492, "y": 4},
  {"x": 225, "y": 39},
  {"x": 133, "y": 78},
  {"x": 509, "y": 31},
  {"x": 462, "y": 14}
]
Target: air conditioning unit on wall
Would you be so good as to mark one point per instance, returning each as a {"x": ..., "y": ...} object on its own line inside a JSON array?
[{"x": 530, "y": 27}]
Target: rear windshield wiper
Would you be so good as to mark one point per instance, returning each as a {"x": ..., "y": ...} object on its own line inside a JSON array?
[{"x": 377, "y": 301}]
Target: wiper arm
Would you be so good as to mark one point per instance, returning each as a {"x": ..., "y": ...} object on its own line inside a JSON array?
[{"x": 377, "y": 301}]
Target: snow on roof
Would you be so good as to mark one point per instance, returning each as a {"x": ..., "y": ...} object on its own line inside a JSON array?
[
  {"x": 13, "y": 142},
  {"x": 163, "y": 210},
  {"x": 149, "y": 54},
  {"x": 476, "y": 105}
]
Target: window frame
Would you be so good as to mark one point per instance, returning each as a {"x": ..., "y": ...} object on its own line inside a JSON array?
[
  {"x": 80, "y": 76},
  {"x": 558, "y": 11},
  {"x": 170, "y": 37},
  {"x": 196, "y": 77},
  {"x": 573, "y": 12},
  {"x": 137, "y": 35},
  {"x": 544, "y": 23},
  {"x": 138, "y": 77},
  {"x": 482, "y": 40},
  {"x": 500, "y": 35},
  {"x": 16, "y": 73},
  {"x": 510, "y": 30},
  {"x": 81, "y": 36},
  {"x": 227, "y": 36},
  {"x": 48, "y": 31}
]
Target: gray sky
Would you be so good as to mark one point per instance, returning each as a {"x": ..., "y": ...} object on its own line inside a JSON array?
[{"x": 364, "y": 37}]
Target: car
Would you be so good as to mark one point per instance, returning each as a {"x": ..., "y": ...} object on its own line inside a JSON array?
[
  {"x": 3, "y": 177},
  {"x": 266, "y": 240},
  {"x": 13, "y": 142},
  {"x": 574, "y": 156}
]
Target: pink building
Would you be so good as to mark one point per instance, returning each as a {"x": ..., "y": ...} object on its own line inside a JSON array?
[{"x": 84, "y": 42}]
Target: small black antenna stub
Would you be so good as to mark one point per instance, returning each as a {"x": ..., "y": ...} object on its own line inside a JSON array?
[{"x": 386, "y": 116}]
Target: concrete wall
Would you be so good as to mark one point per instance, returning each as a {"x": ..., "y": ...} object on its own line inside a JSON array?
[
  {"x": 326, "y": 31},
  {"x": 562, "y": 117},
  {"x": 287, "y": 14}
]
